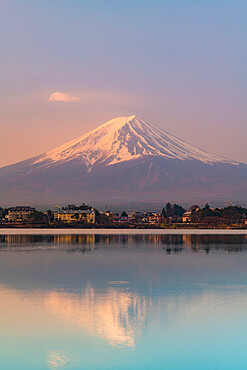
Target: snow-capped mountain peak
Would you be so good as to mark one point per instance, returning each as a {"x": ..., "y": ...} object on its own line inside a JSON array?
[
  {"x": 125, "y": 160},
  {"x": 123, "y": 139}
]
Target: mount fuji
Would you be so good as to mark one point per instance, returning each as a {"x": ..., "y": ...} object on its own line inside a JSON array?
[{"x": 124, "y": 160}]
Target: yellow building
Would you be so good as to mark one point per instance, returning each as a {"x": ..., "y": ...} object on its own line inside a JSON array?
[
  {"x": 19, "y": 214},
  {"x": 71, "y": 215},
  {"x": 187, "y": 216}
]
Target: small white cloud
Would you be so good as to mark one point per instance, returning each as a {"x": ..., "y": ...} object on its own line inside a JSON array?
[{"x": 66, "y": 98}]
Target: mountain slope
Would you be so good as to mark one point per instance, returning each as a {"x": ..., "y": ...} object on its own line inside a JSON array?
[
  {"x": 123, "y": 159},
  {"x": 123, "y": 139}
]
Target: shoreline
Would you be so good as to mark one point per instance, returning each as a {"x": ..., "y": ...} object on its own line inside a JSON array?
[{"x": 29, "y": 231}]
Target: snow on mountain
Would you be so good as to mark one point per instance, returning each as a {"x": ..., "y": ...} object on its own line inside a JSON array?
[
  {"x": 125, "y": 160},
  {"x": 124, "y": 139}
]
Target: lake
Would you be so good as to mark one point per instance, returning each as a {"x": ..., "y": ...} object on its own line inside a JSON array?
[{"x": 123, "y": 301}]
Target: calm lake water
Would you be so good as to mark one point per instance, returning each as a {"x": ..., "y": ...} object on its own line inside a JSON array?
[{"x": 123, "y": 302}]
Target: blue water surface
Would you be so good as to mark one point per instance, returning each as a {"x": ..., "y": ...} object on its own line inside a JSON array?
[{"x": 123, "y": 302}]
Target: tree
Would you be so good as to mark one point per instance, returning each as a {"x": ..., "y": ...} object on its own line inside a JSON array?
[
  {"x": 178, "y": 210},
  {"x": 168, "y": 207},
  {"x": 37, "y": 216}
]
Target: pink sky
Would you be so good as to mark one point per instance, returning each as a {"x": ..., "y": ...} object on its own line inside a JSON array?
[{"x": 67, "y": 68}]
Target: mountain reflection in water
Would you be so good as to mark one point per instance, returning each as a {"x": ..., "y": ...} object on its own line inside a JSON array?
[
  {"x": 116, "y": 316},
  {"x": 129, "y": 301}
]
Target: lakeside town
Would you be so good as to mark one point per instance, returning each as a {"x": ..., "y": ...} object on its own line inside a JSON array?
[{"x": 86, "y": 216}]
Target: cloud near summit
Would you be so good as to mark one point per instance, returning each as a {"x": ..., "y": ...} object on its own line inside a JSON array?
[{"x": 61, "y": 97}]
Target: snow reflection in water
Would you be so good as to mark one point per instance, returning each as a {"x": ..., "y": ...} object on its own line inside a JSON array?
[{"x": 125, "y": 303}]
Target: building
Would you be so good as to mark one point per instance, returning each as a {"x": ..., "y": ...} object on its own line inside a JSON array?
[
  {"x": 187, "y": 216},
  {"x": 70, "y": 215},
  {"x": 121, "y": 219},
  {"x": 154, "y": 218},
  {"x": 20, "y": 214}
]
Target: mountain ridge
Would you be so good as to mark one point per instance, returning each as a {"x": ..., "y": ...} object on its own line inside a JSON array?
[
  {"x": 125, "y": 158},
  {"x": 127, "y": 138}
]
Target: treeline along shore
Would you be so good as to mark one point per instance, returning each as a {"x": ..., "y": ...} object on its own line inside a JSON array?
[{"x": 86, "y": 216}]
